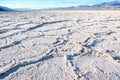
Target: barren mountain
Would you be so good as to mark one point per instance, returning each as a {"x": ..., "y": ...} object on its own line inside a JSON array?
[{"x": 5, "y": 9}]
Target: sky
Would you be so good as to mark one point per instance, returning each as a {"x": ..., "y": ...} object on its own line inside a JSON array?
[{"x": 40, "y": 4}]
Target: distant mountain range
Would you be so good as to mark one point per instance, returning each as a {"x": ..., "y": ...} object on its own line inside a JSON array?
[
  {"x": 5, "y": 9},
  {"x": 114, "y": 5}
]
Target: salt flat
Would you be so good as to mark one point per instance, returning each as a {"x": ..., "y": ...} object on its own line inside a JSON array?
[{"x": 60, "y": 45}]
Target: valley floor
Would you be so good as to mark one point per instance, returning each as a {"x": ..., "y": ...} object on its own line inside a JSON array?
[{"x": 60, "y": 45}]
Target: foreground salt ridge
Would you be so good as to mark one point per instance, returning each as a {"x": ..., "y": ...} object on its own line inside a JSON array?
[{"x": 60, "y": 45}]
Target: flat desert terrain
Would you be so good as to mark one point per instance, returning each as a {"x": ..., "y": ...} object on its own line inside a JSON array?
[{"x": 60, "y": 45}]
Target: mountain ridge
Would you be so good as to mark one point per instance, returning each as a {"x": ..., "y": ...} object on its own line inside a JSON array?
[
  {"x": 113, "y": 5},
  {"x": 2, "y": 8}
]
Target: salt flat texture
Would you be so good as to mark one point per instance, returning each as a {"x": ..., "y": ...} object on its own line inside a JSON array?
[{"x": 60, "y": 45}]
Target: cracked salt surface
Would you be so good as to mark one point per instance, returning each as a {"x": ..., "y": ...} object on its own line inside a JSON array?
[{"x": 57, "y": 45}]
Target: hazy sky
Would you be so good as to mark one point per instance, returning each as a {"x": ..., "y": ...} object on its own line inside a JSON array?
[{"x": 47, "y": 3}]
